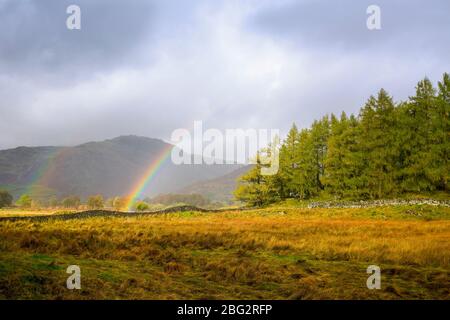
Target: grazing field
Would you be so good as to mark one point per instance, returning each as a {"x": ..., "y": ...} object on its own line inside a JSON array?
[{"x": 274, "y": 253}]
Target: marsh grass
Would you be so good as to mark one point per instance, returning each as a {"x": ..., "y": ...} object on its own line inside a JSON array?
[{"x": 273, "y": 253}]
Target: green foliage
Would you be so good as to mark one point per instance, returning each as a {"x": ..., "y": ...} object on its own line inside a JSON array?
[
  {"x": 142, "y": 206},
  {"x": 256, "y": 189},
  {"x": 95, "y": 202},
  {"x": 24, "y": 201},
  {"x": 6, "y": 199},
  {"x": 388, "y": 150},
  {"x": 377, "y": 138},
  {"x": 344, "y": 159},
  {"x": 417, "y": 134}
]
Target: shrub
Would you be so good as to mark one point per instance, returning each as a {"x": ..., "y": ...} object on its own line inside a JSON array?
[
  {"x": 71, "y": 202},
  {"x": 142, "y": 206},
  {"x": 5, "y": 199},
  {"x": 95, "y": 202},
  {"x": 24, "y": 201}
]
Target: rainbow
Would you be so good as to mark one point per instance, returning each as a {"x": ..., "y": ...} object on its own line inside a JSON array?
[
  {"x": 42, "y": 174},
  {"x": 149, "y": 174}
]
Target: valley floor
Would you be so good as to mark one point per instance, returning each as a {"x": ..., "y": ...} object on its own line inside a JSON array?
[{"x": 273, "y": 253}]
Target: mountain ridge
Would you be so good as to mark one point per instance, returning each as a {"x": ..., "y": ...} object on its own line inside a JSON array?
[
  {"x": 218, "y": 189},
  {"x": 110, "y": 167}
]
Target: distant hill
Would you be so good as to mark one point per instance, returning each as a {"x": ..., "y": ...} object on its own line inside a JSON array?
[
  {"x": 218, "y": 189},
  {"x": 110, "y": 167}
]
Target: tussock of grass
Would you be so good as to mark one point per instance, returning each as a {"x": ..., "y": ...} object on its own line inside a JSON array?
[{"x": 273, "y": 253}]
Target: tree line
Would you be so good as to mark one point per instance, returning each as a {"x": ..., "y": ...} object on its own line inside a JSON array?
[
  {"x": 388, "y": 150},
  {"x": 70, "y": 202},
  {"x": 172, "y": 199},
  {"x": 99, "y": 202}
]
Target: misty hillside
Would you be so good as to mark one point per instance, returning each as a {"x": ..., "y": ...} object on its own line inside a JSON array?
[
  {"x": 218, "y": 189},
  {"x": 110, "y": 168}
]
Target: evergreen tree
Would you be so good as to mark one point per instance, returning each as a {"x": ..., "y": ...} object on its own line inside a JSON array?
[
  {"x": 386, "y": 151},
  {"x": 343, "y": 174},
  {"x": 254, "y": 188},
  {"x": 377, "y": 129},
  {"x": 439, "y": 170},
  {"x": 416, "y": 127},
  {"x": 336, "y": 173},
  {"x": 289, "y": 152},
  {"x": 305, "y": 174},
  {"x": 320, "y": 131}
]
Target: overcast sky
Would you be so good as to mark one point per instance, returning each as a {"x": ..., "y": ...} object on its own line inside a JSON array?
[{"x": 149, "y": 67}]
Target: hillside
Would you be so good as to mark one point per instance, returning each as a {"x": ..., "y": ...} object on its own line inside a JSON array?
[
  {"x": 109, "y": 167},
  {"x": 218, "y": 189}
]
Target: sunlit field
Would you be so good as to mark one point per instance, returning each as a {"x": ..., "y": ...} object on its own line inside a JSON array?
[
  {"x": 17, "y": 212},
  {"x": 274, "y": 253}
]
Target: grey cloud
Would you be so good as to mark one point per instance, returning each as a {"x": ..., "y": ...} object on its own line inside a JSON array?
[
  {"x": 147, "y": 68},
  {"x": 407, "y": 25},
  {"x": 34, "y": 40}
]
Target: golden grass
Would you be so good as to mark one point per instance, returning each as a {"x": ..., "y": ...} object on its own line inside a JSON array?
[
  {"x": 258, "y": 254},
  {"x": 17, "y": 212}
]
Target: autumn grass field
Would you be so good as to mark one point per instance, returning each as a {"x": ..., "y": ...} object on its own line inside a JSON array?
[{"x": 272, "y": 253}]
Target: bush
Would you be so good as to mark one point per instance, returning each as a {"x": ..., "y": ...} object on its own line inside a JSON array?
[
  {"x": 5, "y": 199},
  {"x": 95, "y": 202},
  {"x": 71, "y": 202},
  {"x": 142, "y": 206},
  {"x": 24, "y": 201}
]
